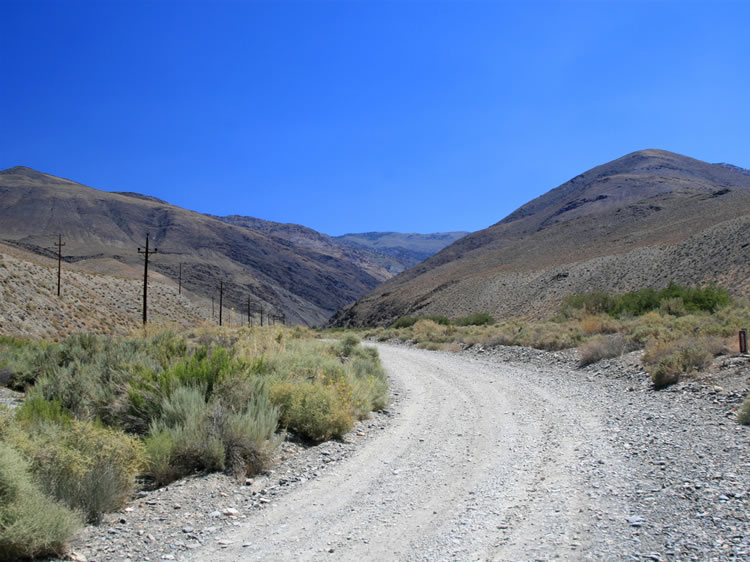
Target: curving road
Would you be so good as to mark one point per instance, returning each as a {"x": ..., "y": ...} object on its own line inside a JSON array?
[{"x": 483, "y": 461}]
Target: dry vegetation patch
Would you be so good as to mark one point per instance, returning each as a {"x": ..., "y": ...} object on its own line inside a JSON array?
[{"x": 101, "y": 411}]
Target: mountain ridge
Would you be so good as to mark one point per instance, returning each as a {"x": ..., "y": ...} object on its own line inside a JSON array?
[
  {"x": 643, "y": 199},
  {"x": 284, "y": 269}
]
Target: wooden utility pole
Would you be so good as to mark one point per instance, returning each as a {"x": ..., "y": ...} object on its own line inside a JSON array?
[
  {"x": 221, "y": 299},
  {"x": 261, "y": 315},
  {"x": 248, "y": 311},
  {"x": 59, "y": 245},
  {"x": 180, "y": 279},
  {"x": 213, "y": 312},
  {"x": 146, "y": 253}
]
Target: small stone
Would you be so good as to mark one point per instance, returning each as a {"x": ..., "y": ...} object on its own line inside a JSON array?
[
  {"x": 230, "y": 511},
  {"x": 187, "y": 529},
  {"x": 176, "y": 506}
]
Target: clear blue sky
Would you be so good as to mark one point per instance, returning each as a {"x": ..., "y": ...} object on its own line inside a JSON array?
[{"x": 357, "y": 116}]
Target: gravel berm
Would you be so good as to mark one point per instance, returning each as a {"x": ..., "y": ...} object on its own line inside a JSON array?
[{"x": 483, "y": 456}]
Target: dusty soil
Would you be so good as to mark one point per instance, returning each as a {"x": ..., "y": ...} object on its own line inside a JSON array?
[{"x": 504, "y": 454}]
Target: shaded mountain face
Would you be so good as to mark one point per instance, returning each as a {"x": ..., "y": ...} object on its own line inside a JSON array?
[
  {"x": 397, "y": 251},
  {"x": 382, "y": 254},
  {"x": 102, "y": 231},
  {"x": 641, "y": 220}
]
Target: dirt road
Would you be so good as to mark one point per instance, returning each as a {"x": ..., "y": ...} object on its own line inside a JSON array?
[{"x": 492, "y": 461}]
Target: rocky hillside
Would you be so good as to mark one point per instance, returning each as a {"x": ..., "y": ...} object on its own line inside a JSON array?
[
  {"x": 641, "y": 220},
  {"x": 88, "y": 302},
  {"x": 102, "y": 231}
]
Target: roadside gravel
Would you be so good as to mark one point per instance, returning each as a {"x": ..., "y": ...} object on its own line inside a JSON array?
[{"x": 503, "y": 454}]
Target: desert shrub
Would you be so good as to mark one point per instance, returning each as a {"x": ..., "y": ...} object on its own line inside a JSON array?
[
  {"x": 598, "y": 324},
  {"x": 674, "y": 306},
  {"x": 159, "y": 451},
  {"x": 593, "y": 303},
  {"x": 666, "y": 361},
  {"x": 476, "y": 319},
  {"x": 25, "y": 364},
  {"x": 371, "y": 384},
  {"x": 667, "y": 371},
  {"x": 601, "y": 347},
  {"x": 430, "y": 331},
  {"x": 346, "y": 345},
  {"x": 673, "y": 299},
  {"x": 404, "y": 322},
  {"x": 31, "y": 523},
  {"x": 249, "y": 437},
  {"x": 187, "y": 420},
  {"x": 231, "y": 430},
  {"x": 743, "y": 416},
  {"x": 88, "y": 467},
  {"x": 36, "y": 409},
  {"x": 312, "y": 411},
  {"x": 146, "y": 390}
]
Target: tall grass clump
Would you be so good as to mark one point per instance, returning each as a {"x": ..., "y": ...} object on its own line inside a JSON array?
[{"x": 31, "y": 523}]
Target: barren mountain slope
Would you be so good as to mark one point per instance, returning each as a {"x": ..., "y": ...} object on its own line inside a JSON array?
[
  {"x": 399, "y": 251},
  {"x": 639, "y": 221},
  {"x": 101, "y": 229},
  {"x": 307, "y": 239},
  {"x": 89, "y": 302}
]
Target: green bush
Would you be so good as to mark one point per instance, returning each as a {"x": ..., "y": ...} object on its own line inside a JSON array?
[
  {"x": 31, "y": 524},
  {"x": 477, "y": 319},
  {"x": 404, "y": 322},
  {"x": 159, "y": 448},
  {"x": 673, "y": 299},
  {"x": 195, "y": 432},
  {"x": 346, "y": 346},
  {"x": 89, "y": 468},
  {"x": 312, "y": 411}
]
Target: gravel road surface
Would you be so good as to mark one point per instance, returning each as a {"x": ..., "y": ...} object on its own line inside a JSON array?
[{"x": 485, "y": 459}]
